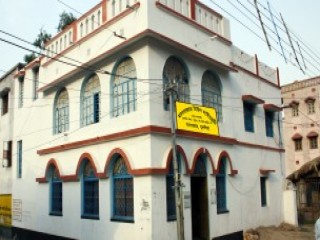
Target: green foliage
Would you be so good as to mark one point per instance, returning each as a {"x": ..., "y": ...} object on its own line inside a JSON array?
[
  {"x": 28, "y": 58},
  {"x": 65, "y": 20},
  {"x": 41, "y": 39}
]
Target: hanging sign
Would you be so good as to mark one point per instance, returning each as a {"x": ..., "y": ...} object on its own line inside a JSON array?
[{"x": 196, "y": 118}]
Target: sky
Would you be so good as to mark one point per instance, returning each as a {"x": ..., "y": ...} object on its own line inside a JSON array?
[{"x": 24, "y": 18}]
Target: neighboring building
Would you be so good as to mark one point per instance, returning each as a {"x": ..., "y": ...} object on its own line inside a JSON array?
[
  {"x": 301, "y": 130},
  {"x": 7, "y": 94},
  {"x": 92, "y": 143}
]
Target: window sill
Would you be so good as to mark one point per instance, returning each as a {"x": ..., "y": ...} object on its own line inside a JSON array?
[
  {"x": 56, "y": 214},
  {"x": 223, "y": 211},
  {"x": 122, "y": 219},
  {"x": 93, "y": 217}
]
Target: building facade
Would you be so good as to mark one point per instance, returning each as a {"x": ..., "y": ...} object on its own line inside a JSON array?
[
  {"x": 92, "y": 143},
  {"x": 7, "y": 92},
  {"x": 301, "y": 129}
]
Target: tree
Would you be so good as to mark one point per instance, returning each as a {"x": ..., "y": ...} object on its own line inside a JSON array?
[
  {"x": 65, "y": 20},
  {"x": 39, "y": 42},
  {"x": 28, "y": 58},
  {"x": 41, "y": 39}
]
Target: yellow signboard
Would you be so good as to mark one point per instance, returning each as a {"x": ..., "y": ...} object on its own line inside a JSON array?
[
  {"x": 195, "y": 118},
  {"x": 5, "y": 210}
]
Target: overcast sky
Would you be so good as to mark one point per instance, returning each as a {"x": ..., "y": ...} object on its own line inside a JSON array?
[{"x": 24, "y": 18}]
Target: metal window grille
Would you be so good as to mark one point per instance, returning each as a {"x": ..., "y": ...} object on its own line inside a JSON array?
[
  {"x": 125, "y": 88},
  {"x": 175, "y": 72},
  {"x": 62, "y": 112},
  {"x": 221, "y": 188},
  {"x": 91, "y": 102},
  {"x": 123, "y": 197},
  {"x": 211, "y": 93},
  {"x": 313, "y": 142},
  {"x": 56, "y": 194},
  {"x": 90, "y": 193},
  {"x": 298, "y": 144}
]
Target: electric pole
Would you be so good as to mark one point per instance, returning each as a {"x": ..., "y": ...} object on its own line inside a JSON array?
[{"x": 172, "y": 91}]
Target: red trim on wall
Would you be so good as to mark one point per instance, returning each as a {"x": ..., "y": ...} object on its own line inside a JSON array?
[
  {"x": 102, "y": 27},
  {"x": 252, "y": 99},
  {"x": 104, "y": 10},
  {"x": 255, "y": 75},
  {"x": 224, "y": 154},
  {"x": 117, "y": 151},
  {"x": 35, "y": 63},
  {"x": 272, "y": 108},
  {"x": 151, "y": 129},
  {"x": 296, "y": 136},
  {"x": 193, "y": 9},
  {"x": 209, "y": 9},
  {"x": 83, "y": 157},
  {"x": 184, "y": 158},
  {"x": 196, "y": 157},
  {"x": 266, "y": 171},
  {"x": 20, "y": 73},
  {"x": 74, "y": 34}
]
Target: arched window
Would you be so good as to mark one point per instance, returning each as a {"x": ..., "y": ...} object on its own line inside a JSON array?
[
  {"x": 175, "y": 72},
  {"x": 125, "y": 88},
  {"x": 55, "y": 192},
  {"x": 90, "y": 192},
  {"x": 221, "y": 187},
  {"x": 61, "y": 112},
  {"x": 123, "y": 209},
  {"x": 92, "y": 22},
  {"x": 170, "y": 190},
  {"x": 90, "y": 101},
  {"x": 99, "y": 17},
  {"x": 211, "y": 93},
  {"x": 81, "y": 30},
  {"x": 87, "y": 26}
]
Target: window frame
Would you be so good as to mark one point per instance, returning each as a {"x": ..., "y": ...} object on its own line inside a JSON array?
[
  {"x": 21, "y": 92},
  {"x": 61, "y": 112},
  {"x": 124, "y": 87},
  {"x": 297, "y": 144},
  {"x": 35, "y": 72},
  {"x": 5, "y": 103},
  {"x": 129, "y": 191},
  {"x": 221, "y": 187},
  {"x": 269, "y": 119},
  {"x": 263, "y": 191},
  {"x": 90, "y": 101},
  {"x": 311, "y": 106},
  {"x": 56, "y": 193},
  {"x": 211, "y": 92},
  {"x": 313, "y": 142},
  {"x": 248, "y": 116},
  {"x": 19, "y": 159},
  {"x": 88, "y": 181},
  {"x": 295, "y": 110}
]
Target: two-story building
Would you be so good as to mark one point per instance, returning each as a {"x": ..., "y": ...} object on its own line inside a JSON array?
[{"x": 92, "y": 145}]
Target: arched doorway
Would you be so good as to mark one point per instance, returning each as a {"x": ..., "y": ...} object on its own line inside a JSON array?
[{"x": 199, "y": 200}]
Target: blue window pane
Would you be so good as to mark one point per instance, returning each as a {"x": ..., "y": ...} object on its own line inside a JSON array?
[
  {"x": 248, "y": 110},
  {"x": 56, "y": 198},
  {"x": 263, "y": 190},
  {"x": 221, "y": 188},
  {"x": 90, "y": 194},
  {"x": 123, "y": 197},
  {"x": 91, "y": 197},
  {"x": 269, "y": 123},
  {"x": 171, "y": 205},
  {"x": 19, "y": 149}
]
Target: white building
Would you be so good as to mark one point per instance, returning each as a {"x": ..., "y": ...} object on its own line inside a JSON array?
[{"x": 92, "y": 142}]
